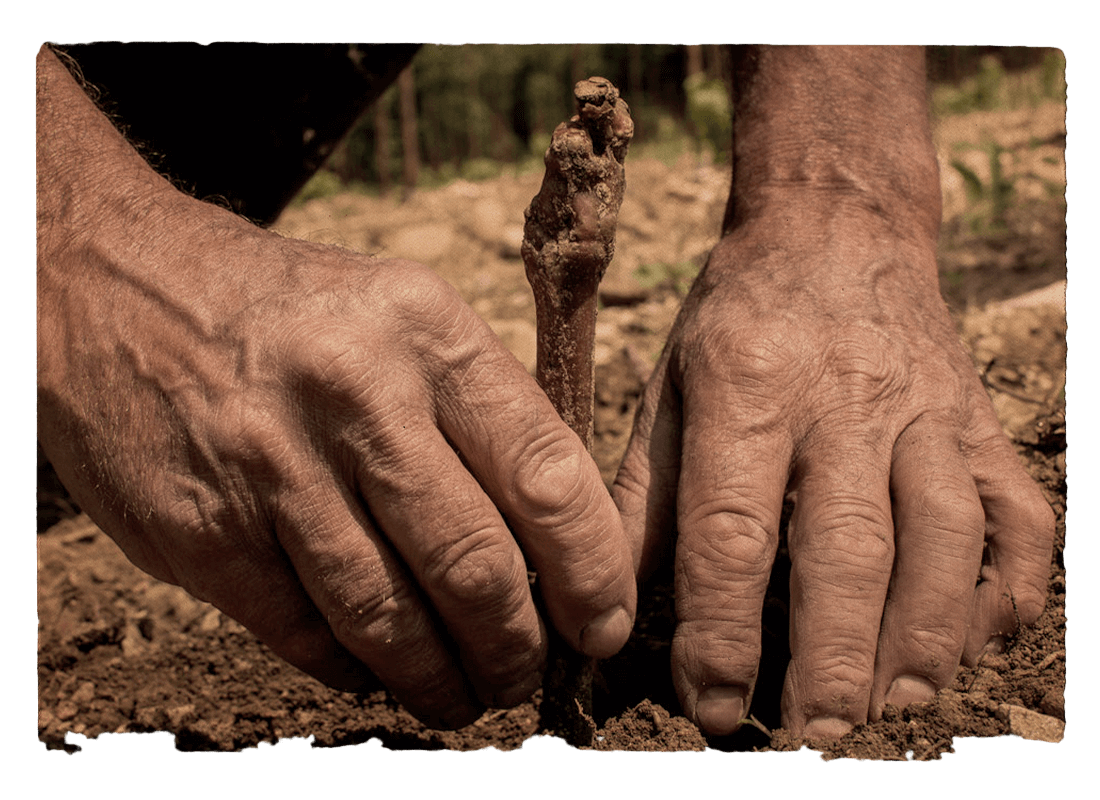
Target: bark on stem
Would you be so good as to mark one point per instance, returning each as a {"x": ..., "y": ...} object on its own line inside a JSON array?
[{"x": 568, "y": 241}]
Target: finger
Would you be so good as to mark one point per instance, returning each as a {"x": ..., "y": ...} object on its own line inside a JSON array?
[
  {"x": 732, "y": 480},
  {"x": 370, "y": 604},
  {"x": 232, "y": 560},
  {"x": 260, "y": 590},
  {"x": 939, "y": 533},
  {"x": 645, "y": 486},
  {"x": 1019, "y": 539},
  {"x": 538, "y": 473},
  {"x": 841, "y": 546},
  {"x": 460, "y": 552}
]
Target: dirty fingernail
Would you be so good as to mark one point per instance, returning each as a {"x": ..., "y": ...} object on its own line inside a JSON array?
[
  {"x": 605, "y": 635},
  {"x": 908, "y": 689},
  {"x": 826, "y": 728},
  {"x": 720, "y": 709},
  {"x": 994, "y": 647}
]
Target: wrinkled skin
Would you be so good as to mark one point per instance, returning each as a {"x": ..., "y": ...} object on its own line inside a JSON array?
[
  {"x": 815, "y": 356},
  {"x": 334, "y": 450}
]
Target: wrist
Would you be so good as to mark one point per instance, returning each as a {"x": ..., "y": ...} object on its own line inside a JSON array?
[
  {"x": 806, "y": 244},
  {"x": 844, "y": 126},
  {"x": 103, "y": 213},
  {"x": 91, "y": 184}
]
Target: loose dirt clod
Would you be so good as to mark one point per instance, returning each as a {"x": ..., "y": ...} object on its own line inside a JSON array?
[{"x": 568, "y": 241}]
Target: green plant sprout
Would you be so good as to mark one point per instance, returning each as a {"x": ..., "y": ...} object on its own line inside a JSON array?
[
  {"x": 677, "y": 277},
  {"x": 998, "y": 192}
]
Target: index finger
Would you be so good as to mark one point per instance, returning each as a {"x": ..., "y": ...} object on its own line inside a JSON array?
[
  {"x": 544, "y": 482},
  {"x": 733, "y": 475}
]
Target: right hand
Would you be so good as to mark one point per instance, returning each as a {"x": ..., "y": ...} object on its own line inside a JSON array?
[{"x": 333, "y": 450}]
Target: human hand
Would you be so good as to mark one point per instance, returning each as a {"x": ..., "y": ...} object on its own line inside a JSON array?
[
  {"x": 815, "y": 356},
  {"x": 334, "y": 450}
]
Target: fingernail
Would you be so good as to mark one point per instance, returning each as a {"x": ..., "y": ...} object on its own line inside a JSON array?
[
  {"x": 994, "y": 647},
  {"x": 826, "y": 728},
  {"x": 606, "y": 635},
  {"x": 908, "y": 689},
  {"x": 720, "y": 709}
]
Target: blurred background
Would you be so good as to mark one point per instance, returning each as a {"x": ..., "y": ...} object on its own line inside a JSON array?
[{"x": 470, "y": 111}]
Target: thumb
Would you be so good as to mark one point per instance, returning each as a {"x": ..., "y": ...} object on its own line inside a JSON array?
[{"x": 645, "y": 486}]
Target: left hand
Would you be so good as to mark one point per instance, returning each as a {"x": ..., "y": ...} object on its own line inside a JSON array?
[{"x": 815, "y": 355}]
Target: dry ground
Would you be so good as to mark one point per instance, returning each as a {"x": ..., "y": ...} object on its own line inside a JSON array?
[{"x": 120, "y": 651}]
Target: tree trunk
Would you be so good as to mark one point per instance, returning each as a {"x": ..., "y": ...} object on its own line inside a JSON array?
[
  {"x": 382, "y": 143},
  {"x": 410, "y": 154}
]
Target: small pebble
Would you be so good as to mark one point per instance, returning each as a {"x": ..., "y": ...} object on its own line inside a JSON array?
[{"x": 1028, "y": 724}]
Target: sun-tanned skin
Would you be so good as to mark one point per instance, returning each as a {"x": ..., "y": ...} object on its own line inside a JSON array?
[
  {"x": 814, "y": 355},
  {"x": 334, "y": 450},
  {"x": 339, "y": 454}
]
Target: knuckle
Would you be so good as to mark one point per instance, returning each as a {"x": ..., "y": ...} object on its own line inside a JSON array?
[
  {"x": 482, "y": 582},
  {"x": 327, "y": 367},
  {"x": 935, "y": 648},
  {"x": 708, "y": 654},
  {"x": 1035, "y": 517},
  {"x": 249, "y": 447},
  {"x": 476, "y": 572},
  {"x": 847, "y": 676},
  {"x": 850, "y": 511},
  {"x": 756, "y": 361},
  {"x": 953, "y": 511},
  {"x": 375, "y": 616},
  {"x": 847, "y": 528},
  {"x": 403, "y": 308},
  {"x": 409, "y": 288},
  {"x": 842, "y": 671},
  {"x": 424, "y": 308},
  {"x": 838, "y": 688},
  {"x": 865, "y": 366},
  {"x": 725, "y": 537},
  {"x": 549, "y": 483}
]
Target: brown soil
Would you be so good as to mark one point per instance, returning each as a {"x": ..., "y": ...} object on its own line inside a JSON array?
[{"x": 119, "y": 651}]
